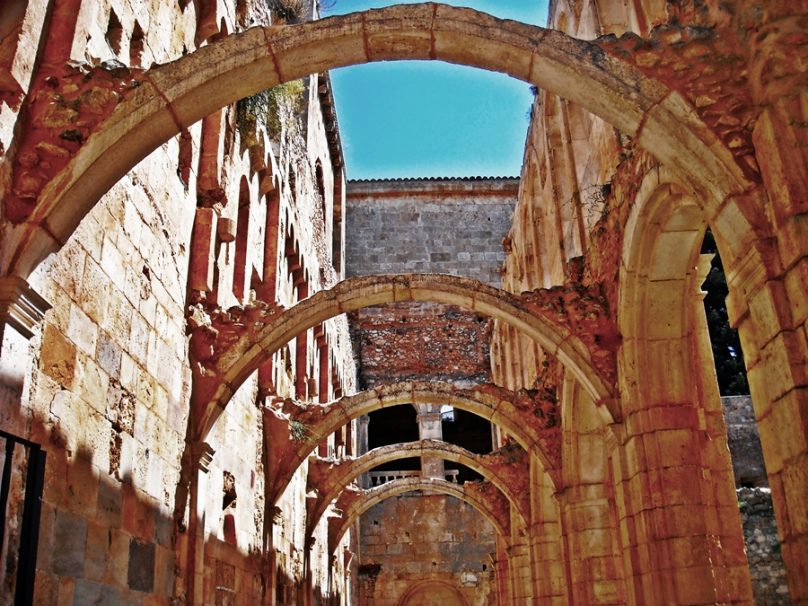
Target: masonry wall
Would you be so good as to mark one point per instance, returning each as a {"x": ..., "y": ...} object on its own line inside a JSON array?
[
  {"x": 104, "y": 385},
  {"x": 763, "y": 547},
  {"x": 755, "y": 502},
  {"x": 413, "y": 539},
  {"x": 452, "y": 226}
]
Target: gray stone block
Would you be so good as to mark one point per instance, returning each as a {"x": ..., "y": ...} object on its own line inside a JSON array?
[
  {"x": 89, "y": 593},
  {"x": 140, "y": 576},
  {"x": 70, "y": 542}
]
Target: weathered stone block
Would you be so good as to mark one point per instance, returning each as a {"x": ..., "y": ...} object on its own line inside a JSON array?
[
  {"x": 58, "y": 357},
  {"x": 89, "y": 592},
  {"x": 140, "y": 576},
  {"x": 70, "y": 540}
]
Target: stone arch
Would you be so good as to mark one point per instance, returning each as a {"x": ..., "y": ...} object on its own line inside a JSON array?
[
  {"x": 673, "y": 410},
  {"x": 503, "y": 407},
  {"x": 169, "y": 98},
  {"x": 433, "y": 588},
  {"x": 338, "y": 526},
  {"x": 212, "y": 390},
  {"x": 344, "y": 474}
]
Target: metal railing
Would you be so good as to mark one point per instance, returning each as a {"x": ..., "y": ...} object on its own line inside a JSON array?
[
  {"x": 28, "y": 461},
  {"x": 377, "y": 478}
]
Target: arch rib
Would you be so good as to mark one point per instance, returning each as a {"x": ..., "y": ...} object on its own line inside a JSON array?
[
  {"x": 515, "y": 412},
  {"x": 253, "y": 340},
  {"x": 330, "y": 477},
  {"x": 174, "y": 96},
  {"x": 356, "y": 502}
]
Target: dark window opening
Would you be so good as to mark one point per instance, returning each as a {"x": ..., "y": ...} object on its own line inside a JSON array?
[
  {"x": 392, "y": 426},
  {"x": 136, "y": 46},
  {"x": 729, "y": 363},
  {"x": 114, "y": 33}
]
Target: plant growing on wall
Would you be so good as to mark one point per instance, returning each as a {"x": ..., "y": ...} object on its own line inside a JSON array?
[
  {"x": 298, "y": 431},
  {"x": 290, "y": 11},
  {"x": 270, "y": 109}
]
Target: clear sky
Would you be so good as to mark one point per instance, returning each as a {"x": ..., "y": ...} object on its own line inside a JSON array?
[{"x": 432, "y": 119}]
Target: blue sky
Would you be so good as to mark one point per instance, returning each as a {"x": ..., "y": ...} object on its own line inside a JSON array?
[{"x": 431, "y": 119}]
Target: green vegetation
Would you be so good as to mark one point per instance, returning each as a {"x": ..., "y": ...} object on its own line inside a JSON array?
[
  {"x": 269, "y": 109},
  {"x": 298, "y": 431}
]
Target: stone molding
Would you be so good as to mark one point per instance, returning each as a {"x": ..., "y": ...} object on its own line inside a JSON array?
[{"x": 21, "y": 307}]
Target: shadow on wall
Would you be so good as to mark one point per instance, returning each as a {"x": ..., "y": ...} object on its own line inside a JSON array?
[{"x": 103, "y": 541}]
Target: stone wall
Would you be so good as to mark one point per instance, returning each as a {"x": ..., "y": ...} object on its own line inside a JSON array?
[
  {"x": 452, "y": 226},
  {"x": 413, "y": 539},
  {"x": 755, "y": 502},
  {"x": 763, "y": 547},
  {"x": 104, "y": 384},
  {"x": 744, "y": 441}
]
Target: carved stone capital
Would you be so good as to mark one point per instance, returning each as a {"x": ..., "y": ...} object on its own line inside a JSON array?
[
  {"x": 21, "y": 307},
  {"x": 203, "y": 455}
]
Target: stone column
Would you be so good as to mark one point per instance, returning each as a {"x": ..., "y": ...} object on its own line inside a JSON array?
[
  {"x": 201, "y": 457},
  {"x": 594, "y": 570},
  {"x": 670, "y": 510},
  {"x": 503, "y": 570},
  {"x": 429, "y": 427},
  {"x": 546, "y": 545},
  {"x": 770, "y": 306},
  {"x": 519, "y": 567},
  {"x": 588, "y": 525},
  {"x": 362, "y": 444}
]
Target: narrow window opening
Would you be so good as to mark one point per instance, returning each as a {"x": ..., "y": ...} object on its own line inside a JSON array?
[
  {"x": 114, "y": 34},
  {"x": 136, "y": 46},
  {"x": 751, "y": 480}
]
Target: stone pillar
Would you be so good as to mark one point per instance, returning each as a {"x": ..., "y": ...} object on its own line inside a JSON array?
[
  {"x": 201, "y": 457},
  {"x": 770, "y": 306},
  {"x": 666, "y": 464},
  {"x": 503, "y": 571},
  {"x": 362, "y": 444},
  {"x": 429, "y": 427},
  {"x": 594, "y": 571},
  {"x": 519, "y": 564},
  {"x": 670, "y": 508},
  {"x": 588, "y": 525},
  {"x": 546, "y": 545}
]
